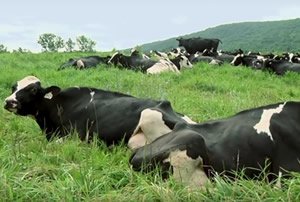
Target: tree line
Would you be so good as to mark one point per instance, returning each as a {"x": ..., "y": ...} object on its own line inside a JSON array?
[{"x": 54, "y": 43}]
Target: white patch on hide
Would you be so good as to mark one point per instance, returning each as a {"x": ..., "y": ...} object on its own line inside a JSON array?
[
  {"x": 48, "y": 96},
  {"x": 92, "y": 96},
  {"x": 152, "y": 125},
  {"x": 263, "y": 126},
  {"x": 162, "y": 66}
]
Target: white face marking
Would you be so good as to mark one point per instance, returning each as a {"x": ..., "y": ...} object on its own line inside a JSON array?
[
  {"x": 187, "y": 170},
  {"x": 184, "y": 62},
  {"x": 92, "y": 96},
  {"x": 21, "y": 85},
  {"x": 151, "y": 125},
  {"x": 263, "y": 126},
  {"x": 162, "y": 66},
  {"x": 48, "y": 96},
  {"x": 112, "y": 57}
]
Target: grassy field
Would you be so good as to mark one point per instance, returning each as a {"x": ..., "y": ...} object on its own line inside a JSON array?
[{"x": 32, "y": 169}]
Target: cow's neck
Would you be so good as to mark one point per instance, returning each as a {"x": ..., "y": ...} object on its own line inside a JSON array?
[{"x": 42, "y": 114}]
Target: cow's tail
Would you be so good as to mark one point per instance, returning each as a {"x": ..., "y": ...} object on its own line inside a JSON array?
[{"x": 220, "y": 41}]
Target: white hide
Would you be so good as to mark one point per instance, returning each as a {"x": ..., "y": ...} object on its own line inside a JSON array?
[{"x": 263, "y": 126}]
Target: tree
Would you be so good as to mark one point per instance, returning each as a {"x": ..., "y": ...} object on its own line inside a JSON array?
[
  {"x": 50, "y": 42},
  {"x": 21, "y": 50},
  {"x": 3, "y": 49},
  {"x": 85, "y": 44},
  {"x": 69, "y": 46}
]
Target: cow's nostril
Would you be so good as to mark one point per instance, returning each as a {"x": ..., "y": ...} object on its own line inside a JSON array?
[{"x": 11, "y": 104}]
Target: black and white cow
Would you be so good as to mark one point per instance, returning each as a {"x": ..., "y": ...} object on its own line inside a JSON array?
[
  {"x": 263, "y": 139},
  {"x": 192, "y": 45},
  {"x": 280, "y": 67},
  {"x": 112, "y": 116},
  {"x": 150, "y": 66},
  {"x": 85, "y": 62},
  {"x": 256, "y": 62},
  {"x": 177, "y": 51}
]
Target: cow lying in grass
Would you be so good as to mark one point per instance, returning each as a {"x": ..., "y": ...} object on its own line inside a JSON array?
[
  {"x": 263, "y": 139},
  {"x": 112, "y": 116},
  {"x": 85, "y": 62}
]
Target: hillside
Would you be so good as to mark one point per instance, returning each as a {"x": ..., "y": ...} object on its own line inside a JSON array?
[{"x": 255, "y": 36}]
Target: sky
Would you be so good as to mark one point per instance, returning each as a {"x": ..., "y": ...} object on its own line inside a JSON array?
[{"x": 123, "y": 24}]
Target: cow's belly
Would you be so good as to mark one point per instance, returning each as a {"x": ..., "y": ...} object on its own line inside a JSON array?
[{"x": 238, "y": 151}]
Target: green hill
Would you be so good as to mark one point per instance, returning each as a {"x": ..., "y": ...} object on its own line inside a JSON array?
[{"x": 269, "y": 36}]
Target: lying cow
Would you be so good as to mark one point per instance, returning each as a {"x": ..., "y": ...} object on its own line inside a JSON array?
[
  {"x": 263, "y": 139},
  {"x": 248, "y": 61},
  {"x": 112, "y": 116},
  {"x": 149, "y": 66},
  {"x": 85, "y": 62},
  {"x": 280, "y": 67}
]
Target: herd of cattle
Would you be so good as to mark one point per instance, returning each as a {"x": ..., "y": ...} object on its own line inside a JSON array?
[
  {"x": 189, "y": 52},
  {"x": 255, "y": 140}
]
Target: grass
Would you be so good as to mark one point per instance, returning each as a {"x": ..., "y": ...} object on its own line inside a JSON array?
[{"x": 32, "y": 169}]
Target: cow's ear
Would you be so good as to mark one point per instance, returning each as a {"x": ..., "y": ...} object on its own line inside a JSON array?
[{"x": 52, "y": 91}]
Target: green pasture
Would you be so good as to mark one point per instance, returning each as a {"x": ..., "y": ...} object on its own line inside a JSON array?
[{"x": 32, "y": 169}]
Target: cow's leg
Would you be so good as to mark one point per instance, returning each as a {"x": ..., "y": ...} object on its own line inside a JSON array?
[
  {"x": 80, "y": 64},
  {"x": 151, "y": 126},
  {"x": 137, "y": 140}
]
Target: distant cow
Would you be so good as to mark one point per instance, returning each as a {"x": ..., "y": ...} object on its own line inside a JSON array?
[
  {"x": 248, "y": 61},
  {"x": 111, "y": 116},
  {"x": 193, "y": 45},
  {"x": 139, "y": 63},
  {"x": 85, "y": 62},
  {"x": 280, "y": 67},
  {"x": 264, "y": 139}
]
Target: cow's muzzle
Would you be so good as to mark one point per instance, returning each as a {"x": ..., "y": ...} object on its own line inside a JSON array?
[{"x": 11, "y": 105}]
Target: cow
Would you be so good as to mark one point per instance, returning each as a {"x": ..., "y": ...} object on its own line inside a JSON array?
[
  {"x": 149, "y": 66},
  {"x": 265, "y": 139},
  {"x": 280, "y": 67},
  {"x": 256, "y": 62},
  {"x": 177, "y": 51},
  {"x": 85, "y": 62},
  {"x": 110, "y": 116},
  {"x": 192, "y": 45}
]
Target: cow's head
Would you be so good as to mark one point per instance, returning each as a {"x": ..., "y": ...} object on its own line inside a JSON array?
[
  {"x": 180, "y": 40},
  {"x": 26, "y": 95},
  {"x": 184, "y": 62}
]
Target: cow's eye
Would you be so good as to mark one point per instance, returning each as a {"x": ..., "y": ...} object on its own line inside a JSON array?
[{"x": 33, "y": 90}]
